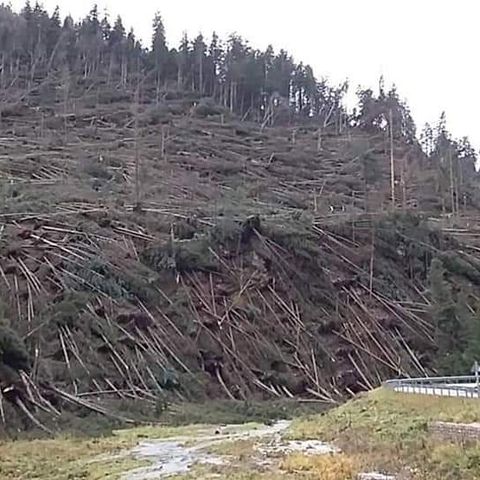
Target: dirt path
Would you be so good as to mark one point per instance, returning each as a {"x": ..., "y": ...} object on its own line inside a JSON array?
[{"x": 176, "y": 456}]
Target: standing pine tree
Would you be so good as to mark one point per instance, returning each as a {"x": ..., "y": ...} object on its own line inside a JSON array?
[
  {"x": 117, "y": 44},
  {"x": 184, "y": 67},
  {"x": 159, "y": 53},
  {"x": 52, "y": 37},
  {"x": 215, "y": 66},
  {"x": 199, "y": 55}
]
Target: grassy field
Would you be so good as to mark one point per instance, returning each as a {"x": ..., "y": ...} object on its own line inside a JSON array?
[
  {"x": 69, "y": 458},
  {"x": 380, "y": 431},
  {"x": 387, "y": 431}
]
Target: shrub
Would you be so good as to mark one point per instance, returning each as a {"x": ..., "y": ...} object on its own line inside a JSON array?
[
  {"x": 13, "y": 352},
  {"x": 207, "y": 107},
  {"x": 97, "y": 169},
  {"x": 183, "y": 256}
]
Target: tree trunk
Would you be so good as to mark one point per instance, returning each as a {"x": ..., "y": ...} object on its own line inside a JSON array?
[
  {"x": 2, "y": 78},
  {"x": 392, "y": 164},
  {"x": 164, "y": 140},
  {"x": 201, "y": 74},
  {"x": 137, "y": 156},
  {"x": 157, "y": 91},
  {"x": 452, "y": 187},
  {"x": 124, "y": 75}
]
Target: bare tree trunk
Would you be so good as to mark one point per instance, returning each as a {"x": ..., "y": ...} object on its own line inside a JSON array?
[
  {"x": 452, "y": 187},
  {"x": 392, "y": 163},
  {"x": 164, "y": 140},
  {"x": 372, "y": 258},
  {"x": 457, "y": 197},
  {"x": 319, "y": 140},
  {"x": 242, "y": 105},
  {"x": 2, "y": 411},
  {"x": 201, "y": 75},
  {"x": 179, "y": 78},
  {"x": 2, "y": 78},
  {"x": 124, "y": 75},
  {"x": 54, "y": 53},
  {"x": 110, "y": 69},
  {"x": 157, "y": 93},
  {"x": 66, "y": 86},
  {"x": 137, "y": 156},
  {"x": 42, "y": 125}
]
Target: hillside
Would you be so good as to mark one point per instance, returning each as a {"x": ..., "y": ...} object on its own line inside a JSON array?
[
  {"x": 230, "y": 277},
  {"x": 158, "y": 244}
]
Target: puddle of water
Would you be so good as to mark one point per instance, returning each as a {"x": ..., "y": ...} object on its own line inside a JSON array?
[
  {"x": 178, "y": 455},
  {"x": 168, "y": 458},
  {"x": 173, "y": 456}
]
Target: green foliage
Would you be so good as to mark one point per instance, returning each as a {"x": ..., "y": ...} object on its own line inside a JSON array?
[
  {"x": 113, "y": 96},
  {"x": 185, "y": 229},
  {"x": 455, "y": 264},
  {"x": 97, "y": 169},
  {"x": 451, "y": 319},
  {"x": 407, "y": 240},
  {"x": 156, "y": 115},
  {"x": 236, "y": 412},
  {"x": 99, "y": 275},
  {"x": 389, "y": 431},
  {"x": 376, "y": 113},
  {"x": 67, "y": 310},
  {"x": 181, "y": 256},
  {"x": 208, "y": 107},
  {"x": 13, "y": 352},
  {"x": 244, "y": 80},
  {"x": 471, "y": 353},
  {"x": 368, "y": 160}
]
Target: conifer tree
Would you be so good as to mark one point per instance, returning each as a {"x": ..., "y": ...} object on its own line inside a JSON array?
[{"x": 159, "y": 52}]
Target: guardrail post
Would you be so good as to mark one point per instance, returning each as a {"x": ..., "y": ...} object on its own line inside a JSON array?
[{"x": 475, "y": 365}]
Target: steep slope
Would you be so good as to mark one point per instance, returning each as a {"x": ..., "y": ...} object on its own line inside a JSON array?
[{"x": 180, "y": 253}]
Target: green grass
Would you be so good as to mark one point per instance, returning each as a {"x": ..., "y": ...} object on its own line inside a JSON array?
[
  {"x": 214, "y": 412},
  {"x": 389, "y": 431},
  {"x": 296, "y": 466},
  {"x": 237, "y": 412},
  {"x": 381, "y": 431},
  {"x": 69, "y": 458}
]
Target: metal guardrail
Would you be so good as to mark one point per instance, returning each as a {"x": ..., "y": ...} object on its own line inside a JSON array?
[{"x": 463, "y": 386}]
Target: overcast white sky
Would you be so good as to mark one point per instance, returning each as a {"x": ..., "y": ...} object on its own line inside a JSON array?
[{"x": 427, "y": 47}]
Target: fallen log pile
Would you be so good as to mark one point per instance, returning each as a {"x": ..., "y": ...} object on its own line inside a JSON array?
[{"x": 220, "y": 260}]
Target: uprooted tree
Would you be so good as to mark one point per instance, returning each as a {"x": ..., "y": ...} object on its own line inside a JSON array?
[{"x": 210, "y": 222}]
